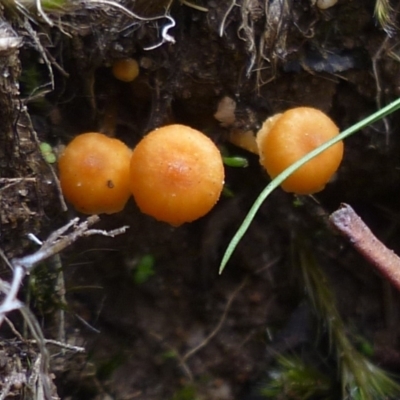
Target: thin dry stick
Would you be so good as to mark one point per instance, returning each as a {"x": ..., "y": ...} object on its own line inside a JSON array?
[
  {"x": 39, "y": 381},
  {"x": 14, "y": 330},
  {"x": 66, "y": 346},
  {"x": 56, "y": 181},
  {"x": 219, "y": 325},
  {"x": 352, "y": 227},
  {"x": 195, "y": 6},
  {"x": 63, "y": 345},
  {"x": 16, "y": 180},
  {"x": 182, "y": 363},
  {"x": 183, "y": 359},
  {"x": 56, "y": 242}
]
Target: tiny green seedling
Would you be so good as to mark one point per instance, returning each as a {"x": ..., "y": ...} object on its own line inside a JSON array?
[
  {"x": 47, "y": 153},
  {"x": 227, "y": 191},
  {"x": 365, "y": 347},
  {"x": 144, "y": 269},
  {"x": 389, "y": 109},
  {"x": 235, "y": 161}
]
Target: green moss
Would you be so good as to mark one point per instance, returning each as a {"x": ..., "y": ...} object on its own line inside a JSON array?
[
  {"x": 188, "y": 392},
  {"x": 295, "y": 380},
  {"x": 106, "y": 369}
]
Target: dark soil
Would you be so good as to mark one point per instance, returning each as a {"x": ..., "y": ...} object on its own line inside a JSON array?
[{"x": 184, "y": 332}]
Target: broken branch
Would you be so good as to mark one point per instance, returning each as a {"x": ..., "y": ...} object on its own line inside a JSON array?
[{"x": 350, "y": 225}]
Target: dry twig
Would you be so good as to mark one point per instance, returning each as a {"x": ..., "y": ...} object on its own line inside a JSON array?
[
  {"x": 219, "y": 325},
  {"x": 352, "y": 227},
  {"x": 39, "y": 381},
  {"x": 55, "y": 243},
  {"x": 184, "y": 358}
]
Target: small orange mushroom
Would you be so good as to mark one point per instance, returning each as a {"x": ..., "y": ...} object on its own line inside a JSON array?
[
  {"x": 125, "y": 69},
  {"x": 177, "y": 174},
  {"x": 287, "y": 137},
  {"x": 94, "y": 173}
]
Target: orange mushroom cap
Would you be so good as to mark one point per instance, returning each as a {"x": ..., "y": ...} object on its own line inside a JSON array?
[
  {"x": 177, "y": 174},
  {"x": 125, "y": 69},
  {"x": 94, "y": 173},
  {"x": 285, "y": 138}
]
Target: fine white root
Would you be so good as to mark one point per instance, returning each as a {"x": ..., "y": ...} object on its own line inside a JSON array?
[{"x": 165, "y": 36}]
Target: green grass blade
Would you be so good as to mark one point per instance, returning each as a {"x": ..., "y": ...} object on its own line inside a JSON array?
[{"x": 389, "y": 109}]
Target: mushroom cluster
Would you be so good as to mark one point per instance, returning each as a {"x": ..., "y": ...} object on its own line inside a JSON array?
[{"x": 175, "y": 174}]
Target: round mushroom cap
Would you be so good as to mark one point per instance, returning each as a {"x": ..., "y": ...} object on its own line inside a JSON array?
[
  {"x": 94, "y": 173},
  {"x": 285, "y": 138},
  {"x": 125, "y": 69},
  {"x": 176, "y": 175}
]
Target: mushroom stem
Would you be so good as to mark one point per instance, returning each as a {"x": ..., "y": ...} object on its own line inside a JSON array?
[{"x": 350, "y": 225}]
